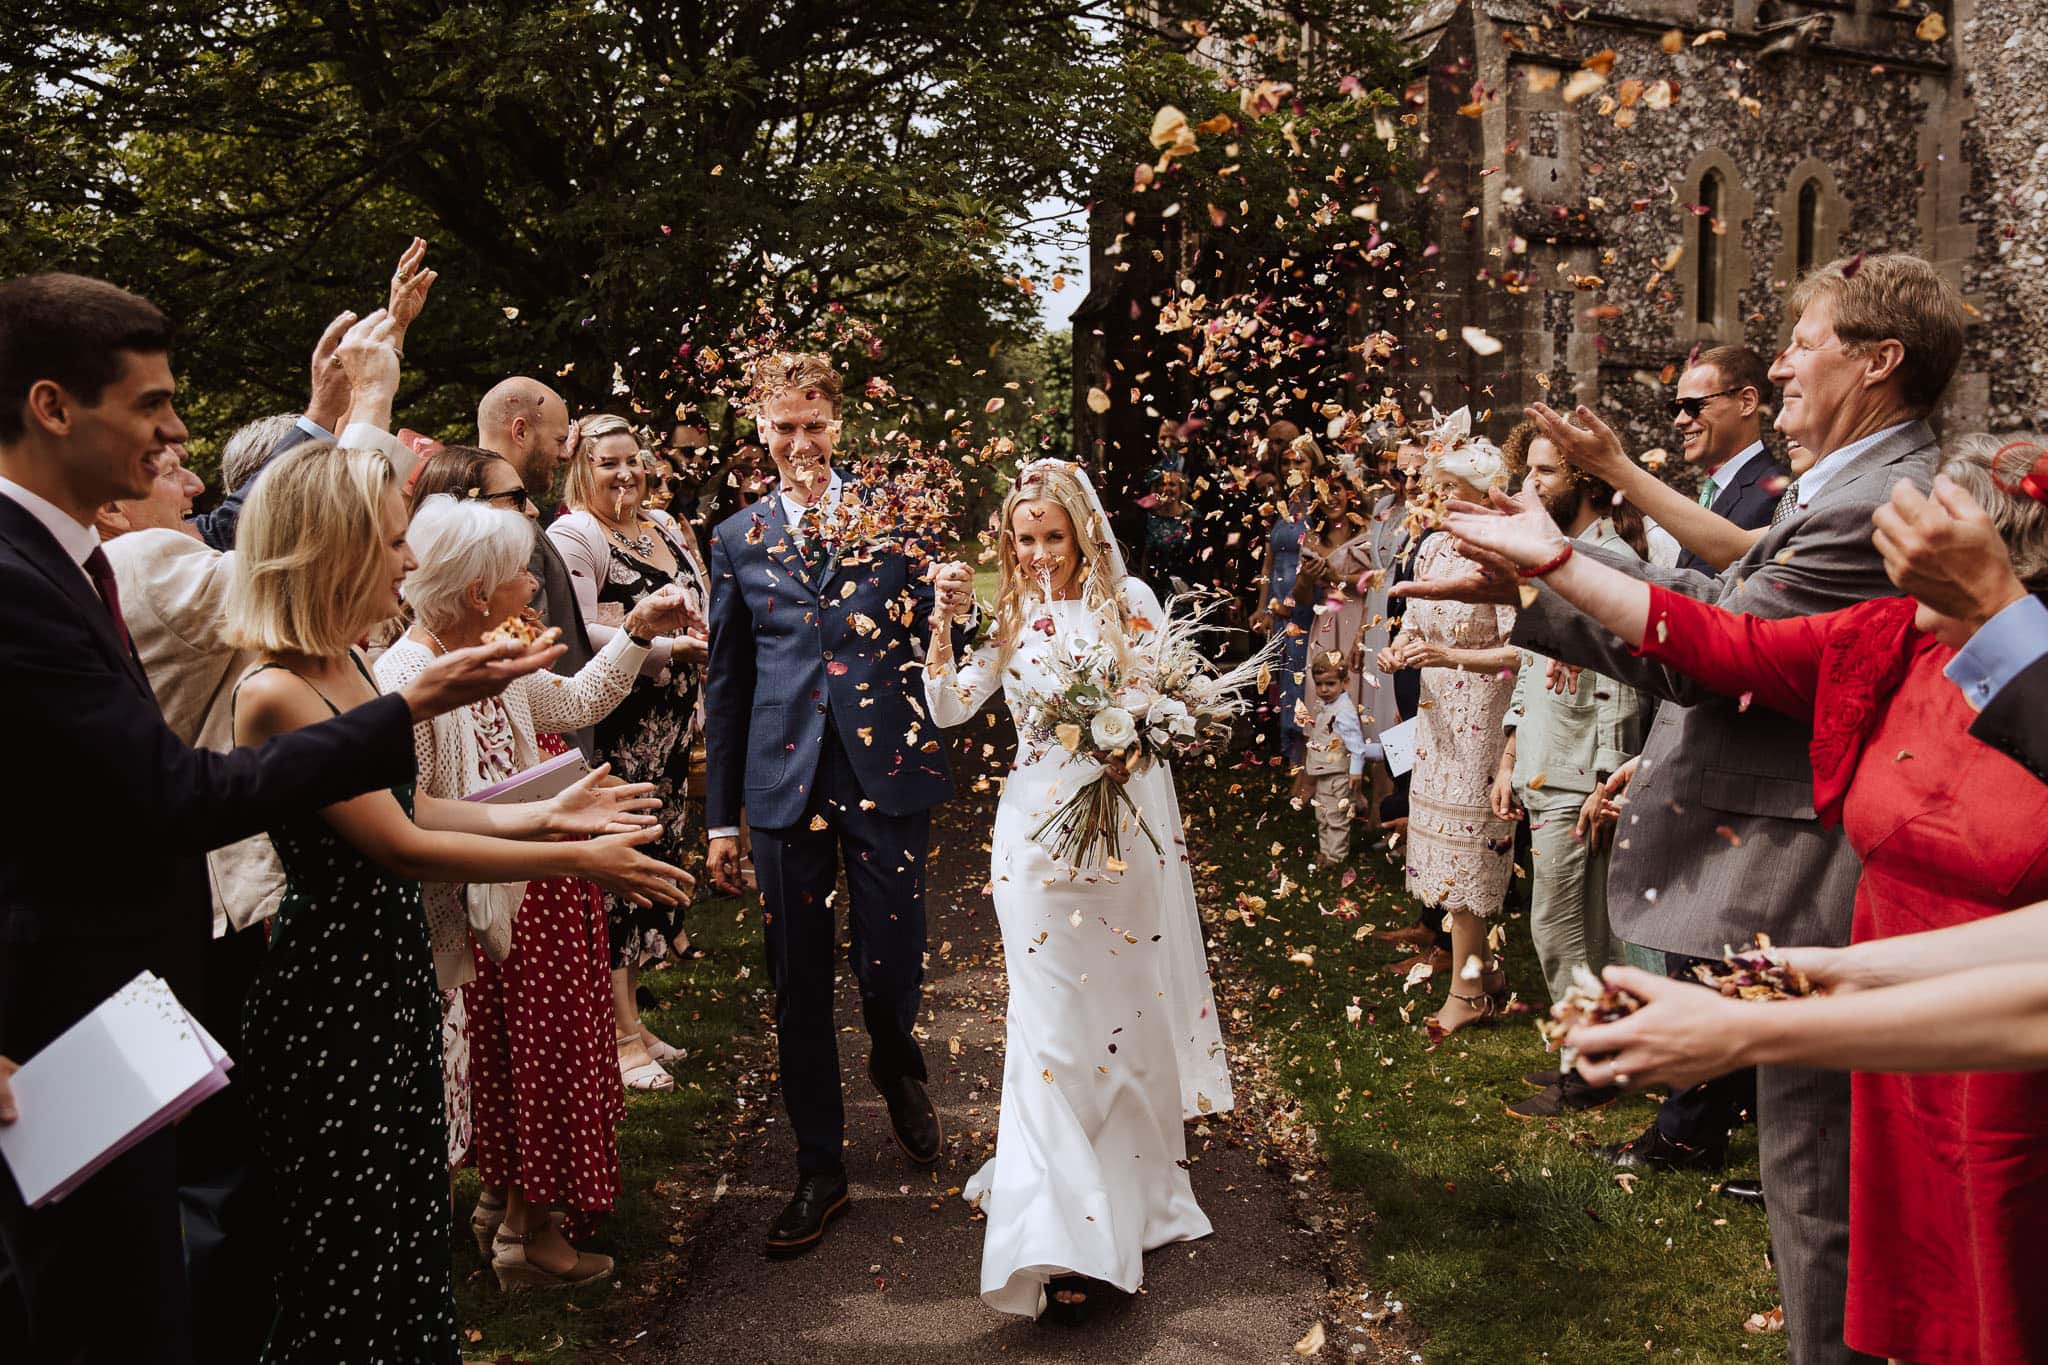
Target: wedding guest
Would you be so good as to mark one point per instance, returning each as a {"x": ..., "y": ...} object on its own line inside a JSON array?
[
  {"x": 342, "y": 1029},
  {"x": 1875, "y": 339},
  {"x": 1345, "y": 562},
  {"x": 536, "y": 986},
  {"x": 1460, "y": 853},
  {"x": 1169, "y": 531},
  {"x": 1562, "y": 745},
  {"x": 527, "y": 424},
  {"x": 1948, "y": 1175},
  {"x": 86, "y": 413},
  {"x": 245, "y": 450},
  {"x": 740, "y": 482},
  {"x": 173, "y": 590},
  {"x": 1333, "y": 768},
  {"x": 1300, "y": 483},
  {"x": 619, "y": 552}
]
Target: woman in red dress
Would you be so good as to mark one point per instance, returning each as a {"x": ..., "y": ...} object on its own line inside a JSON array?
[{"x": 1948, "y": 1172}]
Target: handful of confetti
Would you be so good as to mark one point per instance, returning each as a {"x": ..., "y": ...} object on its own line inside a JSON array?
[
  {"x": 1757, "y": 973},
  {"x": 1588, "y": 1000}
]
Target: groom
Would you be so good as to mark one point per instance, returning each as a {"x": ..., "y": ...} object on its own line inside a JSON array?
[{"x": 811, "y": 730}]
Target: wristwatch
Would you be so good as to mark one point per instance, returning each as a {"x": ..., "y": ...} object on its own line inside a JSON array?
[{"x": 644, "y": 644}]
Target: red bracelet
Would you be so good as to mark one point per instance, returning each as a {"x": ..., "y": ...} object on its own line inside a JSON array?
[{"x": 1548, "y": 565}]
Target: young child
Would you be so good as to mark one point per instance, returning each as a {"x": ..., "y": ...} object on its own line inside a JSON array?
[{"x": 1337, "y": 752}]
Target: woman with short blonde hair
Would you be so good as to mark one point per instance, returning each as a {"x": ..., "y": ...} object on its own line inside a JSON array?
[{"x": 342, "y": 1048}]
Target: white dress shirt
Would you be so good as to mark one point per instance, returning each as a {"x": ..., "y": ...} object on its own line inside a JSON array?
[
  {"x": 1834, "y": 462},
  {"x": 793, "y": 511},
  {"x": 1724, "y": 473},
  {"x": 77, "y": 541}
]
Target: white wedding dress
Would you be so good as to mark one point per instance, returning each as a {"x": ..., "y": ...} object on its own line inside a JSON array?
[{"x": 1113, "y": 1037}]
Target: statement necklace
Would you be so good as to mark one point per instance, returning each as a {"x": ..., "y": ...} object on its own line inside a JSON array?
[{"x": 641, "y": 545}]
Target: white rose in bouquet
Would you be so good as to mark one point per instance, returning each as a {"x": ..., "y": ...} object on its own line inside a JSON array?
[
  {"x": 1113, "y": 728},
  {"x": 1135, "y": 700},
  {"x": 1171, "y": 715}
]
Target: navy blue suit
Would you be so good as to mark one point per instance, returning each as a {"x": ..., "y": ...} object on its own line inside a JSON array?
[
  {"x": 1748, "y": 501},
  {"x": 815, "y": 728}
]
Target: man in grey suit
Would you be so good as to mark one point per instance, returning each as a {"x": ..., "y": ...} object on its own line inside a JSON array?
[{"x": 1720, "y": 838}]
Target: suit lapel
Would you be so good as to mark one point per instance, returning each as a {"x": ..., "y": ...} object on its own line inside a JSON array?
[
  {"x": 1894, "y": 449},
  {"x": 33, "y": 541},
  {"x": 779, "y": 546}
]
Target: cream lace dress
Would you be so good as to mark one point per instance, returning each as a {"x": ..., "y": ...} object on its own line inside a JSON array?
[{"x": 1459, "y": 854}]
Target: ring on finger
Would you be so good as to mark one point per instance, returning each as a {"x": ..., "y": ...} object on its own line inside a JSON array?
[{"x": 1622, "y": 1079}]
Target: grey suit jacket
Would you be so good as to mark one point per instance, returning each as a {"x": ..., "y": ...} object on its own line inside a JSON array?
[
  {"x": 556, "y": 604},
  {"x": 1719, "y": 838}
]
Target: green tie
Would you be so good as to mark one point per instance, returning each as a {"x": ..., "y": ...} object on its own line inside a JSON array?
[{"x": 1709, "y": 491}]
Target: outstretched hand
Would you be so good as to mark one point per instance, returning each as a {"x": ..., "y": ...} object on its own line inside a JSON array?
[
  {"x": 1946, "y": 552},
  {"x": 463, "y": 676},
  {"x": 1683, "y": 1034},
  {"x": 666, "y": 611},
  {"x": 1583, "y": 441},
  {"x": 601, "y": 804},
  {"x": 1495, "y": 580}
]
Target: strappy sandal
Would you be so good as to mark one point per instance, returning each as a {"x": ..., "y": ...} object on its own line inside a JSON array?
[
  {"x": 660, "y": 1051},
  {"x": 515, "y": 1272},
  {"x": 1482, "y": 1014},
  {"x": 647, "y": 1075},
  {"x": 484, "y": 1221}
]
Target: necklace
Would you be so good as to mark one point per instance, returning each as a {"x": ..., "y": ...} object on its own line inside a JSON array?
[
  {"x": 436, "y": 639},
  {"x": 642, "y": 544}
]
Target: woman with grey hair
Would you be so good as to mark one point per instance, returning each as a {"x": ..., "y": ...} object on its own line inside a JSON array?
[
  {"x": 536, "y": 990},
  {"x": 1948, "y": 1174}
]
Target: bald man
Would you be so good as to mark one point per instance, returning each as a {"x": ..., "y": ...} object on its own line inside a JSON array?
[{"x": 527, "y": 423}]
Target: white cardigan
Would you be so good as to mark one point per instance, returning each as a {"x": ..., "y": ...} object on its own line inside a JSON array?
[
  {"x": 586, "y": 549},
  {"x": 446, "y": 747}
]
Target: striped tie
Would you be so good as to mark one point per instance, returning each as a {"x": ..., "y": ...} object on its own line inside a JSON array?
[{"x": 1787, "y": 505}]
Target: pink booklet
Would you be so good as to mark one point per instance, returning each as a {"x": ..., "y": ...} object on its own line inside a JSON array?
[
  {"x": 115, "y": 1077},
  {"x": 538, "y": 783}
]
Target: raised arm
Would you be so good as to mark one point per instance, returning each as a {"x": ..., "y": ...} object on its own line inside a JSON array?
[{"x": 1590, "y": 445}]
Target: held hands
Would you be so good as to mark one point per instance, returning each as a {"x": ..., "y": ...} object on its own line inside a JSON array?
[
  {"x": 667, "y": 611},
  {"x": 1945, "y": 552},
  {"x": 616, "y": 863},
  {"x": 469, "y": 675},
  {"x": 600, "y": 804},
  {"x": 952, "y": 592}
]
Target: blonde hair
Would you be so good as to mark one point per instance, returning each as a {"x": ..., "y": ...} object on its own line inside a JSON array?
[
  {"x": 1057, "y": 482},
  {"x": 1477, "y": 462},
  {"x": 1990, "y": 469},
  {"x": 783, "y": 371},
  {"x": 1892, "y": 297},
  {"x": 308, "y": 573},
  {"x": 579, "y": 489}
]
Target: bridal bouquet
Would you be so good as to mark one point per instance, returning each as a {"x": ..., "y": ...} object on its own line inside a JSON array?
[{"x": 1167, "y": 701}]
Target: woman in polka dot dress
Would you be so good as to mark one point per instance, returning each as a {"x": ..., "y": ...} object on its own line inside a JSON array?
[{"x": 343, "y": 1026}]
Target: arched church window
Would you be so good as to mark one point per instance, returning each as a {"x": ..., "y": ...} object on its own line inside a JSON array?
[{"x": 1707, "y": 259}]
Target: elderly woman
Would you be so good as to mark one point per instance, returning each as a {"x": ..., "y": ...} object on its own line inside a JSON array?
[
  {"x": 1948, "y": 1173},
  {"x": 1460, "y": 853},
  {"x": 341, "y": 1054},
  {"x": 619, "y": 552},
  {"x": 546, "y": 1103}
]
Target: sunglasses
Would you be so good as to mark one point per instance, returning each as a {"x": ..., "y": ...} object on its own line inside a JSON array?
[
  {"x": 1690, "y": 407},
  {"x": 515, "y": 496}
]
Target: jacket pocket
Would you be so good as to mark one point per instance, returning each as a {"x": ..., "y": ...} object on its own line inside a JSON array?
[
  {"x": 1743, "y": 793},
  {"x": 768, "y": 745}
]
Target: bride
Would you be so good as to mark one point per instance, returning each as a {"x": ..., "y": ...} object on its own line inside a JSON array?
[{"x": 1113, "y": 1037}]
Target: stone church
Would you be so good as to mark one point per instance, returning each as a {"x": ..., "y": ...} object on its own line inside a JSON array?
[{"x": 1610, "y": 185}]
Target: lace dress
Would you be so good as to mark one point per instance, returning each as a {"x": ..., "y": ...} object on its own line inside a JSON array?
[
  {"x": 1459, "y": 854},
  {"x": 1111, "y": 1025}
]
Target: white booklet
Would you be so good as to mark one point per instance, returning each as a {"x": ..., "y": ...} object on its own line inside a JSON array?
[
  {"x": 115, "y": 1077},
  {"x": 538, "y": 783},
  {"x": 1399, "y": 741}
]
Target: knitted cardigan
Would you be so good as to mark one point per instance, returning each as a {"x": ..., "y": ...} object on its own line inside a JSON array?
[{"x": 447, "y": 751}]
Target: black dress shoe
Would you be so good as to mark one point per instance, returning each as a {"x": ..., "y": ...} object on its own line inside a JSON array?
[
  {"x": 912, "y": 1116},
  {"x": 1652, "y": 1151},
  {"x": 1570, "y": 1095},
  {"x": 819, "y": 1199},
  {"x": 1744, "y": 1191}
]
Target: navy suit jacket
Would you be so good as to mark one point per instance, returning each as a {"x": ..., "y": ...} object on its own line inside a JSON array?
[
  {"x": 2015, "y": 722},
  {"x": 1748, "y": 502},
  {"x": 785, "y": 653},
  {"x": 108, "y": 814}
]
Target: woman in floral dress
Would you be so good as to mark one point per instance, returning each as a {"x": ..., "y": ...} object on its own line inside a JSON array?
[
  {"x": 619, "y": 551},
  {"x": 1460, "y": 854}
]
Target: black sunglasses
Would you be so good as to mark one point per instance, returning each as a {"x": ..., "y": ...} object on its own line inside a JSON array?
[
  {"x": 518, "y": 497},
  {"x": 1691, "y": 406}
]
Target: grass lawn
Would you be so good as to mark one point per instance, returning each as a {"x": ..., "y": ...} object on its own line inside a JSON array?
[
  {"x": 712, "y": 1010},
  {"x": 1505, "y": 1239}
]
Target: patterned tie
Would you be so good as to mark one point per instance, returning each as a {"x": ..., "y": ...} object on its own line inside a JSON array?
[
  {"x": 816, "y": 554},
  {"x": 1709, "y": 490},
  {"x": 102, "y": 575},
  {"x": 1787, "y": 505}
]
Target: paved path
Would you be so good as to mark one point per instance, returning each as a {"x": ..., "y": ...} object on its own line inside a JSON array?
[{"x": 895, "y": 1282}]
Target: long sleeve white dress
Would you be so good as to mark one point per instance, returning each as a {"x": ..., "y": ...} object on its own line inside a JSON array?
[{"x": 1113, "y": 1037}]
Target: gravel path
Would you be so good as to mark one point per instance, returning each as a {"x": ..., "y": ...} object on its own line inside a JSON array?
[{"x": 895, "y": 1281}]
